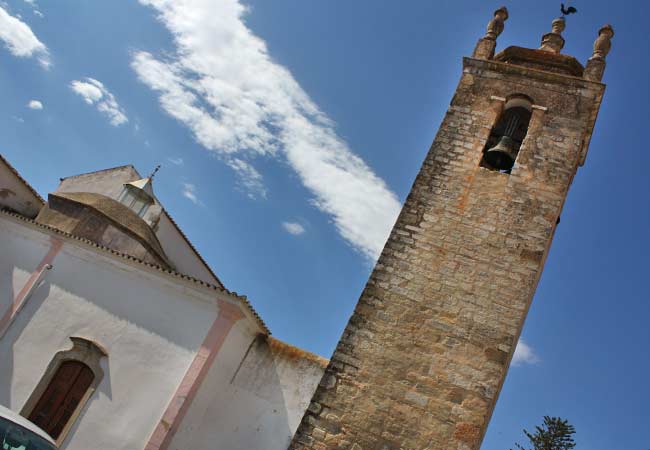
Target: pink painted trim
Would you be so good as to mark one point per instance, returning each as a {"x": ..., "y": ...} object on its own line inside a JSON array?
[
  {"x": 196, "y": 373},
  {"x": 19, "y": 299}
]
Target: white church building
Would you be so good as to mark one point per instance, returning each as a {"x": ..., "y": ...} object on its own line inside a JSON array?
[{"x": 115, "y": 333}]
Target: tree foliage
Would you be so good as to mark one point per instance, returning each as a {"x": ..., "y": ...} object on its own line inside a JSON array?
[{"x": 554, "y": 434}]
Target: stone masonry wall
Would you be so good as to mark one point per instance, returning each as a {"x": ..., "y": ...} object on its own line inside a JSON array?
[{"x": 425, "y": 353}]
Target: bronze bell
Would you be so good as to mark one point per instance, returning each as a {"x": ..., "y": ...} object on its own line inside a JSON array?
[{"x": 502, "y": 156}]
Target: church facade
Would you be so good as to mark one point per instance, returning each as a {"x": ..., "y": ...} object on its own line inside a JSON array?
[{"x": 115, "y": 333}]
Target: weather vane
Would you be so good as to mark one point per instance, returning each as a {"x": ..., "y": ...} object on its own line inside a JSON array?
[
  {"x": 154, "y": 171},
  {"x": 567, "y": 10}
]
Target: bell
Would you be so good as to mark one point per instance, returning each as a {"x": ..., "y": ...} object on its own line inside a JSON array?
[{"x": 502, "y": 156}]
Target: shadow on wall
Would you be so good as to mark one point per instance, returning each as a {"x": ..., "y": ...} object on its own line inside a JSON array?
[
  {"x": 6, "y": 354},
  {"x": 251, "y": 413},
  {"x": 259, "y": 376},
  {"x": 256, "y": 408},
  {"x": 15, "y": 330}
]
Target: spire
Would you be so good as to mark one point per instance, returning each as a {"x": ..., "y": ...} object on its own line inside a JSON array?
[
  {"x": 145, "y": 185},
  {"x": 496, "y": 25},
  {"x": 487, "y": 44},
  {"x": 554, "y": 42}
]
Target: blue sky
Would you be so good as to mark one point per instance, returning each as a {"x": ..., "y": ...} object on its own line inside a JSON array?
[{"x": 237, "y": 100}]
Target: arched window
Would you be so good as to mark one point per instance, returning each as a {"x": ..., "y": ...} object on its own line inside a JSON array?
[
  {"x": 68, "y": 383},
  {"x": 507, "y": 135},
  {"x": 62, "y": 397}
]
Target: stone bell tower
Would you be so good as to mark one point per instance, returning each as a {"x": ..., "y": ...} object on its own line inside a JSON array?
[{"x": 421, "y": 363}]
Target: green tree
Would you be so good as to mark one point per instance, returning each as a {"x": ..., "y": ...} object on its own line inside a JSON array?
[{"x": 554, "y": 434}]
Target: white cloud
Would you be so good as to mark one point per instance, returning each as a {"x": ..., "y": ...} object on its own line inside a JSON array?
[
  {"x": 34, "y": 6},
  {"x": 95, "y": 93},
  {"x": 524, "y": 354},
  {"x": 251, "y": 179},
  {"x": 176, "y": 161},
  {"x": 223, "y": 85},
  {"x": 35, "y": 104},
  {"x": 293, "y": 228},
  {"x": 20, "y": 40},
  {"x": 189, "y": 192}
]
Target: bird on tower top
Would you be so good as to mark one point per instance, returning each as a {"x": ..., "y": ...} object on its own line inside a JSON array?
[{"x": 567, "y": 10}]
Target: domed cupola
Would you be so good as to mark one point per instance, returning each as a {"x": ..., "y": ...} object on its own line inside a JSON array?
[{"x": 108, "y": 209}]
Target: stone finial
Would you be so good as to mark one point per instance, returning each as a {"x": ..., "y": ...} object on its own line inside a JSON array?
[
  {"x": 603, "y": 43},
  {"x": 497, "y": 24},
  {"x": 596, "y": 64},
  {"x": 558, "y": 25},
  {"x": 487, "y": 44},
  {"x": 554, "y": 42}
]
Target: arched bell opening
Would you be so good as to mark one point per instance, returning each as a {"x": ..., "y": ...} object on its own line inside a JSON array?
[{"x": 506, "y": 137}]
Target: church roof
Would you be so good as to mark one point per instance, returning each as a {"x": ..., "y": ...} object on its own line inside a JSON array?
[{"x": 541, "y": 60}]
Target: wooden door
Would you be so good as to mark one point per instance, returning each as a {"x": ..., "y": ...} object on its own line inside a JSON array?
[{"x": 61, "y": 397}]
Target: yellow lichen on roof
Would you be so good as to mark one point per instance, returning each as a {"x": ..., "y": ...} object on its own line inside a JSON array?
[{"x": 291, "y": 352}]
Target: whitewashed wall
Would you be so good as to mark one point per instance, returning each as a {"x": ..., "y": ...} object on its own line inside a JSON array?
[
  {"x": 109, "y": 182},
  {"x": 255, "y": 406},
  {"x": 180, "y": 253},
  {"x": 150, "y": 326}
]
